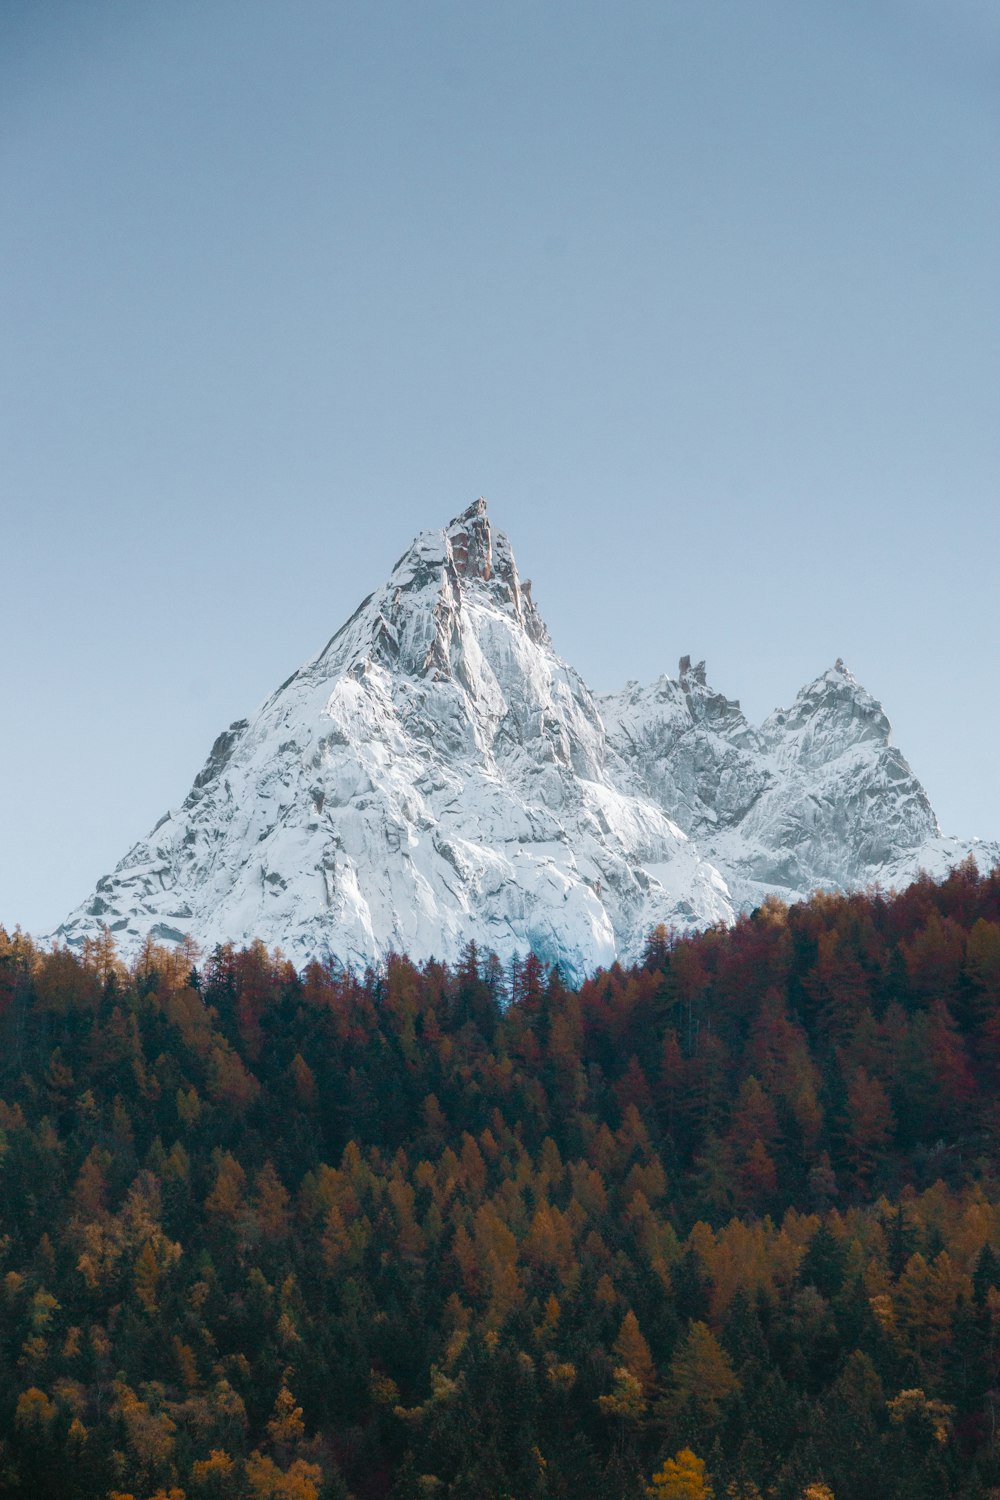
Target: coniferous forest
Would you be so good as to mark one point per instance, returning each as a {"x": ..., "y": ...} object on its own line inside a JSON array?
[{"x": 724, "y": 1224}]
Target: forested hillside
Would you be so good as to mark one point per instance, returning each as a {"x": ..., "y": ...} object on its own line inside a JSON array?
[{"x": 730, "y": 1218}]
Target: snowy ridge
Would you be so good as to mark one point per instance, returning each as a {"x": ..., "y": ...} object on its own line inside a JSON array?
[{"x": 437, "y": 775}]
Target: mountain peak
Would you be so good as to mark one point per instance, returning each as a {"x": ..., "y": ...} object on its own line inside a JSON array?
[
  {"x": 471, "y": 542},
  {"x": 834, "y": 704},
  {"x": 436, "y": 775},
  {"x": 413, "y": 623},
  {"x": 476, "y": 554}
]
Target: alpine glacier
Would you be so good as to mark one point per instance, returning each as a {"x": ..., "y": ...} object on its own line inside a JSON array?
[{"x": 437, "y": 775}]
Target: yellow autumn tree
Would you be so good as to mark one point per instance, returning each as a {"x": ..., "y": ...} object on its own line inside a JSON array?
[
  {"x": 681, "y": 1478},
  {"x": 34, "y": 1410},
  {"x": 286, "y": 1427},
  {"x": 302, "y": 1481},
  {"x": 213, "y": 1475}
]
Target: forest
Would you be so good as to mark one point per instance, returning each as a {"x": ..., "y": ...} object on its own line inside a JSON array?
[{"x": 723, "y": 1225}]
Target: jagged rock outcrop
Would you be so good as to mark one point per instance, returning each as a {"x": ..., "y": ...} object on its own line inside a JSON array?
[
  {"x": 816, "y": 797},
  {"x": 437, "y": 775}
]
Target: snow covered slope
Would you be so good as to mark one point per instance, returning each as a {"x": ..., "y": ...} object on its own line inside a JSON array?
[
  {"x": 438, "y": 775},
  {"x": 435, "y": 775}
]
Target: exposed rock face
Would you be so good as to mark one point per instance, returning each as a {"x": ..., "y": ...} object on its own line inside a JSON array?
[{"x": 437, "y": 775}]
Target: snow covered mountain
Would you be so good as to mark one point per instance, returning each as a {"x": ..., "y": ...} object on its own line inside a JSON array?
[
  {"x": 435, "y": 775},
  {"x": 438, "y": 775}
]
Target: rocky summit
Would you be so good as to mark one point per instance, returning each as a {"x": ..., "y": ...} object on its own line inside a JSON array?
[{"x": 437, "y": 776}]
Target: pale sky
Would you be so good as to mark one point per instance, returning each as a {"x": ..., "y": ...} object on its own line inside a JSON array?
[{"x": 702, "y": 296}]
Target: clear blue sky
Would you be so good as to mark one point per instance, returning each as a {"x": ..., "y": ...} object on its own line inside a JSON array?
[{"x": 703, "y": 296}]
